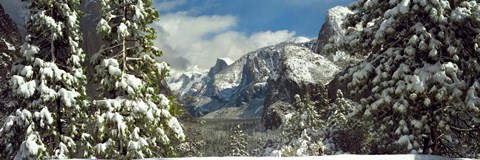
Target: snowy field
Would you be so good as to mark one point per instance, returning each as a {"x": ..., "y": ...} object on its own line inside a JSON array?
[{"x": 332, "y": 157}]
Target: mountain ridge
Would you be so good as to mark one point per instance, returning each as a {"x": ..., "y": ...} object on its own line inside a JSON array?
[{"x": 245, "y": 85}]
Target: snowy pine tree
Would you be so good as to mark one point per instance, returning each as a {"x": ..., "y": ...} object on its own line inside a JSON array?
[
  {"x": 237, "y": 143},
  {"x": 302, "y": 133},
  {"x": 422, "y": 72},
  {"x": 133, "y": 119},
  {"x": 345, "y": 134},
  {"x": 48, "y": 86},
  {"x": 194, "y": 144}
]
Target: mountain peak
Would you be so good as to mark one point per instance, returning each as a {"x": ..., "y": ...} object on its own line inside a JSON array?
[
  {"x": 332, "y": 26},
  {"x": 228, "y": 61},
  {"x": 244, "y": 85},
  {"x": 221, "y": 64}
]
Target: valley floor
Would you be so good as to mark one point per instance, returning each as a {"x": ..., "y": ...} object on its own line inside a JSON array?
[{"x": 216, "y": 133}]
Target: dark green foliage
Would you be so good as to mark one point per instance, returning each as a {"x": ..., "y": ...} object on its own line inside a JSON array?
[{"x": 419, "y": 81}]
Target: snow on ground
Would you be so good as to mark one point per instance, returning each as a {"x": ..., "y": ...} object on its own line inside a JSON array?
[{"x": 331, "y": 157}]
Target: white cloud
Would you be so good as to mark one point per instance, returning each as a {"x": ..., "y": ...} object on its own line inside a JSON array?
[{"x": 187, "y": 40}]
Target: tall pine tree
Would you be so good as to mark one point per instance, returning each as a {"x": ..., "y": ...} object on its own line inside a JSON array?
[
  {"x": 133, "y": 119},
  {"x": 301, "y": 133},
  {"x": 421, "y": 74},
  {"x": 237, "y": 144},
  {"x": 48, "y": 86}
]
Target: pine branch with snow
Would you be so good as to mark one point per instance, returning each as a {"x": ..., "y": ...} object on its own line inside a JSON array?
[
  {"x": 344, "y": 133},
  {"x": 420, "y": 75},
  {"x": 133, "y": 119},
  {"x": 237, "y": 144},
  {"x": 302, "y": 132},
  {"x": 48, "y": 87}
]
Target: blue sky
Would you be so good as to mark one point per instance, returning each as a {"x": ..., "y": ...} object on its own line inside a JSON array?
[
  {"x": 197, "y": 32},
  {"x": 305, "y": 17}
]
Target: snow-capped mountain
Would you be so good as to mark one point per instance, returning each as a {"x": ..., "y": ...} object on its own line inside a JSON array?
[
  {"x": 301, "y": 72},
  {"x": 332, "y": 27},
  {"x": 261, "y": 78},
  {"x": 227, "y": 84},
  {"x": 188, "y": 82},
  {"x": 239, "y": 89},
  {"x": 220, "y": 65}
]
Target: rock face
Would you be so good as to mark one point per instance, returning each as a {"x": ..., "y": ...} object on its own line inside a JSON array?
[
  {"x": 333, "y": 30},
  {"x": 263, "y": 83},
  {"x": 245, "y": 79},
  {"x": 266, "y": 77},
  {"x": 301, "y": 72},
  {"x": 9, "y": 45},
  {"x": 332, "y": 27},
  {"x": 240, "y": 84},
  {"x": 274, "y": 114},
  {"x": 221, "y": 64},
  {"x": 293, "y": 77}
]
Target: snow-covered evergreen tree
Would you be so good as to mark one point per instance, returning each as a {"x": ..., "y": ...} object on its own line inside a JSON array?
[
  {"x": 237, "y": 143},
  {"x": 133, "y": 119},
  {"x": 194, "y": 144},
  {"x": 344, "y": 133},
  {"x": 48, "y": 86},
  {"x": 422, "y": 72},
  {"x": 302, "y": 132}
]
